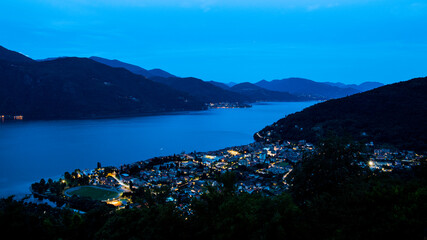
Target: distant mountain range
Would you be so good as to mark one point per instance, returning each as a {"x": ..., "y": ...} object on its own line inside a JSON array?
[
  {"x": 366, "y": 86},
  {"x": 393, "y": 114},
  {"x": 65, "y": 87},
  {"x": 306, "y": 87},
  {"x": 290, "y": 89},
  {"x": 207, "y": 92},
  {"x": 72, "y": 88}
]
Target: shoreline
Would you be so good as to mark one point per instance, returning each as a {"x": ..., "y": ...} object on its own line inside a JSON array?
[
  {"x": 29, "y": 191},
  {"x": 149, "y": 114}
]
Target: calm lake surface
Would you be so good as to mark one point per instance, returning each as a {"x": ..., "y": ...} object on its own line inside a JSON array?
[{"x": 33, "y": 150}]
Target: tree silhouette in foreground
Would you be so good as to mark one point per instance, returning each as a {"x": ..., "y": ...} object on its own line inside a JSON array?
[{"x": 327, "y": 170}]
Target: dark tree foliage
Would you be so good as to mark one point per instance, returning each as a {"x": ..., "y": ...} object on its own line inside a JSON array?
[
  {"x": 218, "y": 215},
  {"x": 56, "y": 188},
  {"x": 150, "y": 197},
  {"x": 377, "y": 207},
  {"x": 38, "y": 221},
  {"x": 333, "y": 164},
  {"x": 340, "y": 200},
  {"x": 157, "y": 222},
  {"x": 228, "y": 181},
  {"x": 86, "y": 204}
]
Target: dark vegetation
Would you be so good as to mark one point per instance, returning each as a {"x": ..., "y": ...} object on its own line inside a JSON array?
[
  {"x": 393, "y": 114},
  {"x": 51, "y": 187},
  {"x": 331, "y": 196}
]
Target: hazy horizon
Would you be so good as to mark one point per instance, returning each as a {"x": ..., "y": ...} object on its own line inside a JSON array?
[{"x": 344, "y": 41}]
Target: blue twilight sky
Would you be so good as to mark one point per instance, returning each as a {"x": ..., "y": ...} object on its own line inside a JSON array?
[{"x": 350, "y": 41}]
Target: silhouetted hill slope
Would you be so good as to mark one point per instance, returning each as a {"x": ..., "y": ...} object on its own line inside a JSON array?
[
  {"x": 301, "y": 86},
  {"x": 160, "y": 73},
  {"x": 255, "y": 93},
  {"x": 363, "y": 87},
  {"x": 48, "y": 59},
  {"x": 133, "y": 68},
  {"x": 393, "y": 114},
  {"x": 204, "y": 91},
  {"x": 220, "y": 84},
  {"x": 366, "y": 86},
  {"x": 12, "y": 56},
  {"x": 69, "y": 88}
]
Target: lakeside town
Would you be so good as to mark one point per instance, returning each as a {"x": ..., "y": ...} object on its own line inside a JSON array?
[
  {"x": 11, "y": 117},
  {"x": 258, "y": 168}
]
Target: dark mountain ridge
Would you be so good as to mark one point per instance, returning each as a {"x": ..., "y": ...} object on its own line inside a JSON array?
[
  {"x": 394, "y": 114},
  {"x": 12, "y": 56},
  {"x": 72, "y": 88},
  {"x": 220, "y": 84},
  {"x": 133, "y": 68}
]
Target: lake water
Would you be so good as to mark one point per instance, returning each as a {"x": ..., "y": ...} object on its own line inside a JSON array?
[{"x": 33, "y": 150}]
